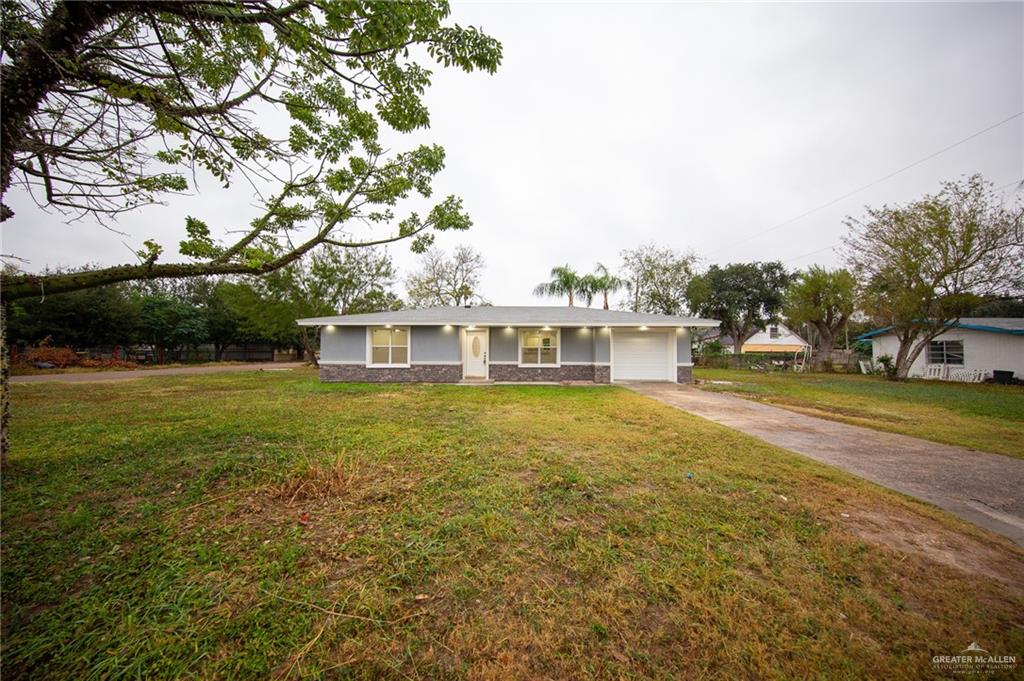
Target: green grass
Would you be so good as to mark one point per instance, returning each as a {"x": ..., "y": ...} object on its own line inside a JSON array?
[
  {"x": 154, "y": 529},
  {"x": 977, "y": 416}
]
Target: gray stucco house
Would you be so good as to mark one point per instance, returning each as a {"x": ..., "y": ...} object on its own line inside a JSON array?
[{"x": 455, "y": 344}]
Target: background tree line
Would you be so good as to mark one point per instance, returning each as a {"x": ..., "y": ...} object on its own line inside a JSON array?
[{"x": 168, "y": 316}]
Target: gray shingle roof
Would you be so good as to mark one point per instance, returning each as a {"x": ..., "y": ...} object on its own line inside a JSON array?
[{"x": 509, "y": 316}]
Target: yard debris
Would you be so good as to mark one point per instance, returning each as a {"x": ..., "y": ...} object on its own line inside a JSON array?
[
  {"x": 845, "y": 515},
  {"x": 422, "y": 597},
  {"x": 304, "y": 518},
  {"x": 689, "y": 476},
  {"x": 783, "y": 497}
]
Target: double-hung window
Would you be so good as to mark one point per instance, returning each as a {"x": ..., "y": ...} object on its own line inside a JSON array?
[
  {"x": 946, "y": 352},
  {"x": 538, "y": 347},
  {"x": 389, "y": 347}
]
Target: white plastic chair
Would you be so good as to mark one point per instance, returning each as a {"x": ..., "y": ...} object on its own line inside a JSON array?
[{"x": 968, "y": 375}]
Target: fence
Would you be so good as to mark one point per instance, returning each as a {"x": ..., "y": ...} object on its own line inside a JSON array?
[
  {"x": 838, "y": 360},
  {"x": 244, "y": 352}
]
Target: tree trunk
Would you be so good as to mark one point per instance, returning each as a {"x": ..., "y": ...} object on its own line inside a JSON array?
[
  {"x": 5, "y": 387},
  {"x": 737, "y": 346},
  {"x": 218, "y": 351},
  {"x": 913, "y": 351},
  {"x": 605, "y": 300},
  {"x": 571, "y": 300},
  {"x": 903, "y": 358},
  {"x": 307, "y": 347},
  {"x": 826, "y": 344}
]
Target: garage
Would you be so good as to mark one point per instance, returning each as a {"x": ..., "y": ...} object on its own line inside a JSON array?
[{"x": 642, "y": 356}]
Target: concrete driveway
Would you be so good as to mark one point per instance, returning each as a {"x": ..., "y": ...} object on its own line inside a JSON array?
[
  {"x": 93, "y": 376},
  {"x": 985, "y": 489}
]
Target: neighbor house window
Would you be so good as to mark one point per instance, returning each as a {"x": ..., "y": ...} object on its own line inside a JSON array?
[
  {"x": 389, "y": 347},
  {"x": 773, "y": 332},
  {"x": 946, "y": 352},
  {"x": 538, "y": 347}
]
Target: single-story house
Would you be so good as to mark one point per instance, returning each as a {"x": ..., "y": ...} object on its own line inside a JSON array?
[
  {"x": 774, "y": 338},
  {"x": 983, "y": 343},
  {"x": 455, "y": 344}
]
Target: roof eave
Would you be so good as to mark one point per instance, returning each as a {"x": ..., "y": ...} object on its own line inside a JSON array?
[
  {"x": 703, "y": 324},
  {"x": 970, "y": 327}
]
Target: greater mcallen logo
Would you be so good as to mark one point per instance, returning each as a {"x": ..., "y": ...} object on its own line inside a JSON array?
[{"x": 973, "y": 660}]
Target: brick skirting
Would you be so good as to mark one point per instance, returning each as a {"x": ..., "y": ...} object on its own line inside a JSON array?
[
  {"x": 566, "y": 372},
  {"x": 452, "y": 373},
  {"x": 417, "y": 373}
]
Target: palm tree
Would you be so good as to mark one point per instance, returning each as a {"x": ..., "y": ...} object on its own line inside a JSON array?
[
  {"x": 604, "y": 282},
  {"x": 564, "y": 282}
]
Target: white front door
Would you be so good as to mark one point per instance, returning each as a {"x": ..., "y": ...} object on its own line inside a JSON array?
[{"x": 475, "y": 354}]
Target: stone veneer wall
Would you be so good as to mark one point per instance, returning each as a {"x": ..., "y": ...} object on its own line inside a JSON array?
[
  {"x": 566, "y": 372},
  {"x": 684, "y": 374},
  {"x": 417, "y": 373},
  {"x": 452, "y": 373}
]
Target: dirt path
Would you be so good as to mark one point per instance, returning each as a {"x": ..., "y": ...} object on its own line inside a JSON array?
[
  {"x": 985, "y": 489},
  {"x": 93, "y": 376}
]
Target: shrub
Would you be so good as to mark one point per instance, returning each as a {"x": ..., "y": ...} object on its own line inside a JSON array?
[
  {"x": 712, "y": 349},
  {"x": 59, "y": 357},
  {"x": 888, "y": 366}
]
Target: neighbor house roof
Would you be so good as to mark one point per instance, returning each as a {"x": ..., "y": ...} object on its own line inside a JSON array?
[
  {"x": 509, "y": 316},
  {"x": 1011, "y": 325}
]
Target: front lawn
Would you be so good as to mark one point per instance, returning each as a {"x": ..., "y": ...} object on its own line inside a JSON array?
[
  {"x": 255, "y": 525},
  {"x": 978, "y": 416}
]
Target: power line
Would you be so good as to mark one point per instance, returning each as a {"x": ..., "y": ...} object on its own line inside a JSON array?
[
  {"x": 870, "y": 184},
  {"x": 832, "y": 247},
  {"x": 801, "y": 257}
]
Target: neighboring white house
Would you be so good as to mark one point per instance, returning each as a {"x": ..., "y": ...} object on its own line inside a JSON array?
[
  {"x": 984, "y": 343},
  {"x": 775, "y": 338}
]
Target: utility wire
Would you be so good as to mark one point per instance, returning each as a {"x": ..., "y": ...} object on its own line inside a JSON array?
[
  {"x": 870, "y": 184},
  {"x": 826, "y": 248}
]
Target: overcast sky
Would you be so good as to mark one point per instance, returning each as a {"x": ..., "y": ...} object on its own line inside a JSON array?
[{"x": 694, "y": 126}]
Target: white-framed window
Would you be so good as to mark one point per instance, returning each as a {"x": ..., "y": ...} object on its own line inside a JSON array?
[
  {"x": 946, "y": 352},
  {"x": 388, "y": 347},
  {"x": 773, "y": 332},
  {"x": 539, "y": 347}
]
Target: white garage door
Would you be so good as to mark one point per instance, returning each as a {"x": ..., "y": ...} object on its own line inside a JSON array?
[{"x": 640, "y": 356}]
